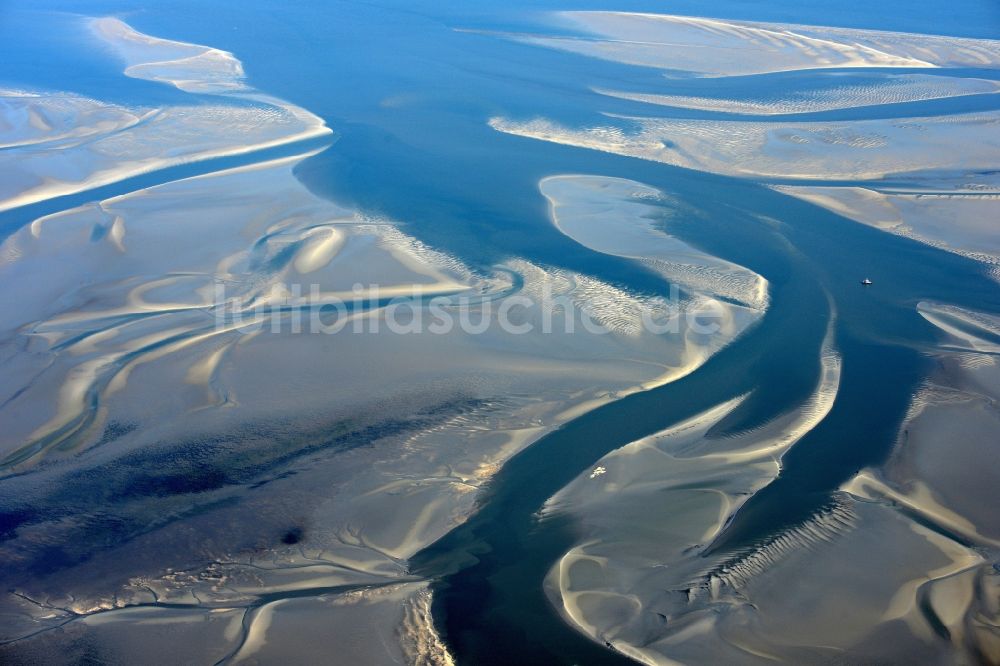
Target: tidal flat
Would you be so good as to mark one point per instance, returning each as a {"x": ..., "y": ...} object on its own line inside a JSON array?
[{"x": 434, "y": 333}]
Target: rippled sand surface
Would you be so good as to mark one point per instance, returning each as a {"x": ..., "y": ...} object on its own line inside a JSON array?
[
  {"x": 860, "y": 150},
  {"x": 875, "y": 90},
  {"x": 705, "y": 46}
]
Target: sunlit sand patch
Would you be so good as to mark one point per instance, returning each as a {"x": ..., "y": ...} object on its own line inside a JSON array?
[
  {"x": 179, "y": 267},
  {"x": 863, "y": 149},
  {"x": 618, "y": 216},
  {"x": 37, "y": 119},
  {"x": 880, "y": 563},
  {"x": 421, "y": 642},
  {"x": 889, "y": 89},
  {"x": 319, "y": 250},
  {"x": 919, "y": 500},
  {"x": 382, "y": 625},
  {"x": 633, "y": 315},
  {"x": 966, "y": 329},
  {"x": 243, "y": 580},
  {"x": 161, "y": 635},
  {"x": 194, "y": 68},
  {"x": 190, "y": 67},
  {"x": 961, "y": 222},
  {"x": 705, "y": 46}
]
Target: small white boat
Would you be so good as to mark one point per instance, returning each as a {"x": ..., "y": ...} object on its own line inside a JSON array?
[{"x": 866, "y": 282}]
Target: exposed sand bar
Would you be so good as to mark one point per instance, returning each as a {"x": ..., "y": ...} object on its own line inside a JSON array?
[
  {"x": 848, "y": 150},
  {"x": 189, "y": 67},
  {"x": 723, "y": 47},
  {"x": 838, "y": 93},
  {"x": 61, "y": 144},
  {"x": 193, "y": 68},
  {"x": 158, "y": 138},
  {"x": 961, "y": 222},
  {"x": 965, "y": 330},
  {"x": 627, "y": 219}
]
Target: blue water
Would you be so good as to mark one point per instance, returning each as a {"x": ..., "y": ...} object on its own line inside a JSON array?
[{"x": 432, "y": 160}]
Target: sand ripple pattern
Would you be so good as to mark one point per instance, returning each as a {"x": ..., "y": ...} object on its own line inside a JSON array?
[
  {"x": 704, "y": 46},
  {"x": 889, "y": 89},
  {"x": 855, "y": 150}
]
